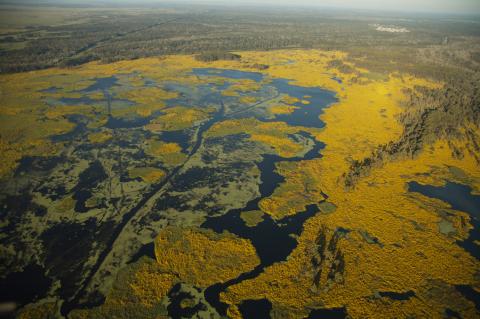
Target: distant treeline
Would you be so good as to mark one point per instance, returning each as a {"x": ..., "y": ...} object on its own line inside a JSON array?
[
  {"x": 449, "y": 113},
  {"x": 218, "y": 55},
  {"x": 123, "y": 36}
]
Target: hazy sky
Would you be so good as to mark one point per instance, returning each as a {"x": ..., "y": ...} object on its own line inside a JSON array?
[
  {"x": 433, "y": 6},
  {"x": 452, "y": 6}
]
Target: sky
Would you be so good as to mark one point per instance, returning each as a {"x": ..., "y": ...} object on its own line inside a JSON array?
[
  {"x": 444, "y": 6},
  {"x": 471, "y": 7}
]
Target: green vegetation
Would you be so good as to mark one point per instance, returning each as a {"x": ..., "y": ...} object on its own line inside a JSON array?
[{"x": 252, "y": 218}]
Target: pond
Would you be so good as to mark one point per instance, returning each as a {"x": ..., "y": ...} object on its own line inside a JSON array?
[{"x": 459, "y": 197}]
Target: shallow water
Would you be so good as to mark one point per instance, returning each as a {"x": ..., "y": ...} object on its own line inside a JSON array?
[
  {"x": 334, "y": 313},
  {"x": 307, "y": 114},
  {"x": 231, "y": 74},
  {"x": 117, "y": 123},
  {"x": 25, "y": 286},
  {"x": 101, "y": 84},
  {"x": 338, "y": 80},
  {"x": 255, "y": 309},
  {"x": 459, "y": 197}
]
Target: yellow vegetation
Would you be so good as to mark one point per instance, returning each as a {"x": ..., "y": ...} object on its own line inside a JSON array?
[
  {"x": 273, "y": 134},
  {"x": 355, "y": 126},
  {"x": 252, "y": 218},
  {"x": 151, "y": 285},
  {"x": 168, "y": 153},
  {"x": 203, "y": 257},
  {"x": 282, "y": 109},
  {"x": 177, "y": 118},
  {"x": 42, "y": 311},
  {"x": 148, "y": 99},
  {"x": 247, "y": 99},
  {"x": 147, "y": 174},
  {"x": 245, "y": 86},
  {"x": 193, "y": 256},
  {"x": 99, "y": 137},
  {"x": 139, "y": 288},
  {"x": 414, "y": 255},
  {"x": 303, "y": 188}
]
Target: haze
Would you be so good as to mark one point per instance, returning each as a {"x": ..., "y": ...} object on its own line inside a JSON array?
[{"x": 432, "y": 6}]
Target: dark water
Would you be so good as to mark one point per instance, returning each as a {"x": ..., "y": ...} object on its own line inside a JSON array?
[
  {"x": 146, "y": 250},
  {"x": 181, "y": 137},
  {"x": 334, "y": 313},
  {"x": 25, "y": 286},
  {"x": 85, "y": 100},
  {"x": 150, "y": 82},
  {"x": 272, "y": 240},
  {"x": 338, "y": 80},
  {"x": 306, "y": 115},
  {"x": 175, "y": 309},
  {"x": 101, "y": 84},
  {"x": 116, "y": 123},
  {"x": 88, "y": 180},
  {"x": 449, "y": 313},
  {"x": 255, "y": 309},
  {"x": 35, "y": 164},
  {"x": 397, "y": 295},
  {"x": 67, "y": 245},
  {"x": 459, "y": 197},
  {"x": 471, "y": 294}
]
